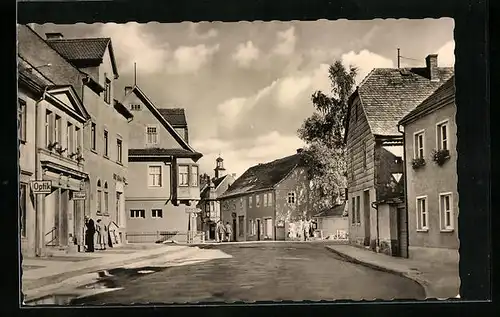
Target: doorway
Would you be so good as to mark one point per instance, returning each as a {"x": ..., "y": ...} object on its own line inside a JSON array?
[
  {"x": 366, "y": 216},
  {"x": 402, "y": 226},
  {"x": 234, "y": 230},
  {"x": 258, "y": 229}
]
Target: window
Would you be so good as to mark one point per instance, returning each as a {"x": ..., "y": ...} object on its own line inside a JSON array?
[
  {"x": 22, "y": 208},
  {"x": 69, "y": 138},
  {"x": 57, "y": 130},
  {"x": 250, "y": 202},
  {"x": 137, "y": 213},
  {"x": 194, "y": 175},
  {"x": 251, "y": 227},
  {"x": 155, "y": 176},
  {"x": 422, "y": 218},
  {"x": 353, "y": 210},
  {"x": 257, "y": 200},
  {"x": 241, "y": 226},
  {"x": 106, "y": 199},
  {"x": 99, "y": 197},
  {"x": 135, "y": 107},
  {"x": 48, "y": 128},
  {"x": 270, "y": 199},
  {"x": 152, "y": 134},
  {"x": 119, "y": 152},
  {"x": 446, "y": 212},
  {"x": 265, "y": 200},
  {"x": 107, "y": 91},
  {"x": 419, "y": 145},
  {"x": 291, "y": 198},
  {"x": 106, "y": 147},
  {"x": 183, "y": 175},
  {"x": 156, "y": 213},
  {"x": 358, "y": 210},
  {"x": 78, "y": 140},
  {"x": 93, "y": 136},
  {"x": 442, "y": 135},
  {"x": 22, "y": 120}
]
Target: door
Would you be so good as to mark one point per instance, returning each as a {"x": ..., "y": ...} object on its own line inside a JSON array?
[
  {"x": 258, "y": 229},
  {"x": 366, "y": 215},
  {"x": 402, "y": 233},
  {"x": 234, "y": 229},
  {"x": 268, "y": 228},
  {"x": 118, "y": 208}
]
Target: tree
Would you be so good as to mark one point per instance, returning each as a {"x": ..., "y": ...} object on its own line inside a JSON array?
[{"x": 323, "y": 132}]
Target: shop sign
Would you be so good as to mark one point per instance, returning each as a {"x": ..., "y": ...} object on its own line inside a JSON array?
[{"x": 41, "y": 187}]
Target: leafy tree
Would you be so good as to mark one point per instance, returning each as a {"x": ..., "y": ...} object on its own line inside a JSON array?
[{"x": 323, "y": 132}]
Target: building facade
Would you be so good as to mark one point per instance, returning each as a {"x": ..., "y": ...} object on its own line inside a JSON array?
[
  {"x": 377, "y": 216},
  {"x": 164, "y": 193},
  {"x": 263, "y": 202},
  {"x": 430, "y": 133}
]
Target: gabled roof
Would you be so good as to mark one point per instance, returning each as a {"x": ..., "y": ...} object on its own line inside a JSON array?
[
  {"x": 84, "y": 50},
  {"x": 439, "y": 98},
  {"x": 388, "y": 94},
  {"x": 335, "y": 211},
  {"x": 175, "y": 116},
  {"x": 263, "y": 176},
  {"x": 216, "y": 181},
  {"x": 150, "y": 105},
  {"x": 55, "y": 93}
]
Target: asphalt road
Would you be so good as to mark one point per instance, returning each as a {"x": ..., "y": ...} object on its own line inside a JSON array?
[{"x": 258, "y": 272}]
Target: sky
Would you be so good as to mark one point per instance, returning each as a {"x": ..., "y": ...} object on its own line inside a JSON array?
[{"x": 246, "y": 86}]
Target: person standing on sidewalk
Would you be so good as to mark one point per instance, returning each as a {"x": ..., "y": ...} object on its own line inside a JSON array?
[
  {"x": 101, "y": 235},
  {"x": 229, "y": 232},
  {"x": 89, "y": 234}
]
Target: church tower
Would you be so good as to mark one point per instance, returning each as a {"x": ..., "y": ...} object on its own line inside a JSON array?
[{"x": 219, "y": 167}]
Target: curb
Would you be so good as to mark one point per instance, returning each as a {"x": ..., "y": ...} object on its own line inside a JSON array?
[
  {"x": 381, "y": 268},
  {"x": 48, "y": 284}
]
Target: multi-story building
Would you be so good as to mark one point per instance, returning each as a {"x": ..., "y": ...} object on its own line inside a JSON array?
[
  {"x": 267, "y": 198},
  {"x": 105, "y": 136},
  {"x": 375, "y": 150},
  {"x": 209, "y": 204},
  {"x": 162, "y": 200},
  {"x": 430, "y": 134}
]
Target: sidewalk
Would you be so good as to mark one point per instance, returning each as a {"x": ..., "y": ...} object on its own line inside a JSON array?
[
  {"x": 42, "y": 273},
  {"x": 440, "y": 280}
]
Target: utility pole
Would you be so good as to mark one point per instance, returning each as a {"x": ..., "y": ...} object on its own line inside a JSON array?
[
  {"x": 135, "y": 73},
  {"x": 399, "y": 58}
]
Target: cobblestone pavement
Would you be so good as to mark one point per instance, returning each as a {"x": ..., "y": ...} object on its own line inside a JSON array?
[{"x": 259, "y": 272}]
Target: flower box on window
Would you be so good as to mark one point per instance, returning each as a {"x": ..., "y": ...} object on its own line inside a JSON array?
[
  {"x": 440, "y": 156},
  {"x": 417, "y": 162}
]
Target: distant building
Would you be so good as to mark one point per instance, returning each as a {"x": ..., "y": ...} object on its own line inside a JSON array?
[
  {"x": 263, "y": 201},
  {"x": 164, "y": 193},
  {"x": 375, "y": 152},
  {"x": 430, "y": 133},
  {"x": 333, "y": 222}
]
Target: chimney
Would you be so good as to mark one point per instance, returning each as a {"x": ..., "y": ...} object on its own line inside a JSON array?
[
  {"x": 431, "y": 62},
  {"x": 54, "y": 36},
  {"x": 128, "y": 89},
  {"x": 299, "y": 151}
]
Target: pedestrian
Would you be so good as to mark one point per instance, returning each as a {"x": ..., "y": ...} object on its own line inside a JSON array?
[
  {"x": 229, "y": 232},
  {"x": 306, "y": 230},
  {"x": 89, "y": 234},
  {"x": 219, "y": 232},
  {"x": 101, "y": 234}
]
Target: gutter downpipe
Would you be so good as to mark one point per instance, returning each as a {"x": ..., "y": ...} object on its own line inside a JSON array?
[
  {"x": 377, "y": 246},
  {"x": 405, "y": 186},
  {"x": 39, "y": 198}
]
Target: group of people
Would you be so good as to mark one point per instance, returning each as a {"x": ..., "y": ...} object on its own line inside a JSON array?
[
  {"x": 223, "y": 233},
  {"x": 103, "y": 235}
]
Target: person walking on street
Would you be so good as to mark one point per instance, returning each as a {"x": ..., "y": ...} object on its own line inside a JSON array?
[
  {"x": 89, "y": 234},
  {"x": 219, "y": 232},
  {"x": 229, "y": 232}
]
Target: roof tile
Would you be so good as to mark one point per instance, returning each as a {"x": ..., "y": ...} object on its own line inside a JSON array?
[
  {"x": 80, "y": 49},
  {"x": 175, "y": 116}
]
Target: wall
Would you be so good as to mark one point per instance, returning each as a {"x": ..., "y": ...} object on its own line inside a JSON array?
[
  {"x": 357, "y": 230},
  {"x": 138, "y": 187},
  {"x": 387, "y": 163},
  {"x": 260, "y": 212},
  {"x": 239, "y": 206},
  {"x": 330, "y": 225},
  {"x": 431, "y": 180}
]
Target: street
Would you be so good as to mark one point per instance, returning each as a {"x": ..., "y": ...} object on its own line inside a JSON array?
[{"x": 256, "y": 272}]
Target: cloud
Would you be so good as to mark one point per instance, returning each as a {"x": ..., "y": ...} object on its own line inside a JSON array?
[
  {"x": 189, "y": 59},
  {"x": 365, "y": 61},
  {"x": 245, "y": 54},
  {"x": 446, "y": 54},
  {"x": 290, "y": 88},
  {"x": 239, "y": 155},
  {"x": 286, "y": 42},
  {"x": 196, "y": 34},
  {"x": 131, "y": 45}
]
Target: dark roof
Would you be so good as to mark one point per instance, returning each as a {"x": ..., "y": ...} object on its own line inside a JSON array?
[
  {"x": 263, "y": 176},
  {"x": 439, "y": 98},
  {"x": 160, "y": 152},
  {"x": 216, "y": 181},
  {"x": 175, "y": 116},
  {"x": 83, "y": 49},
  {"x": 388, "y": 94},
  {"x": 335, "y": 211}
]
